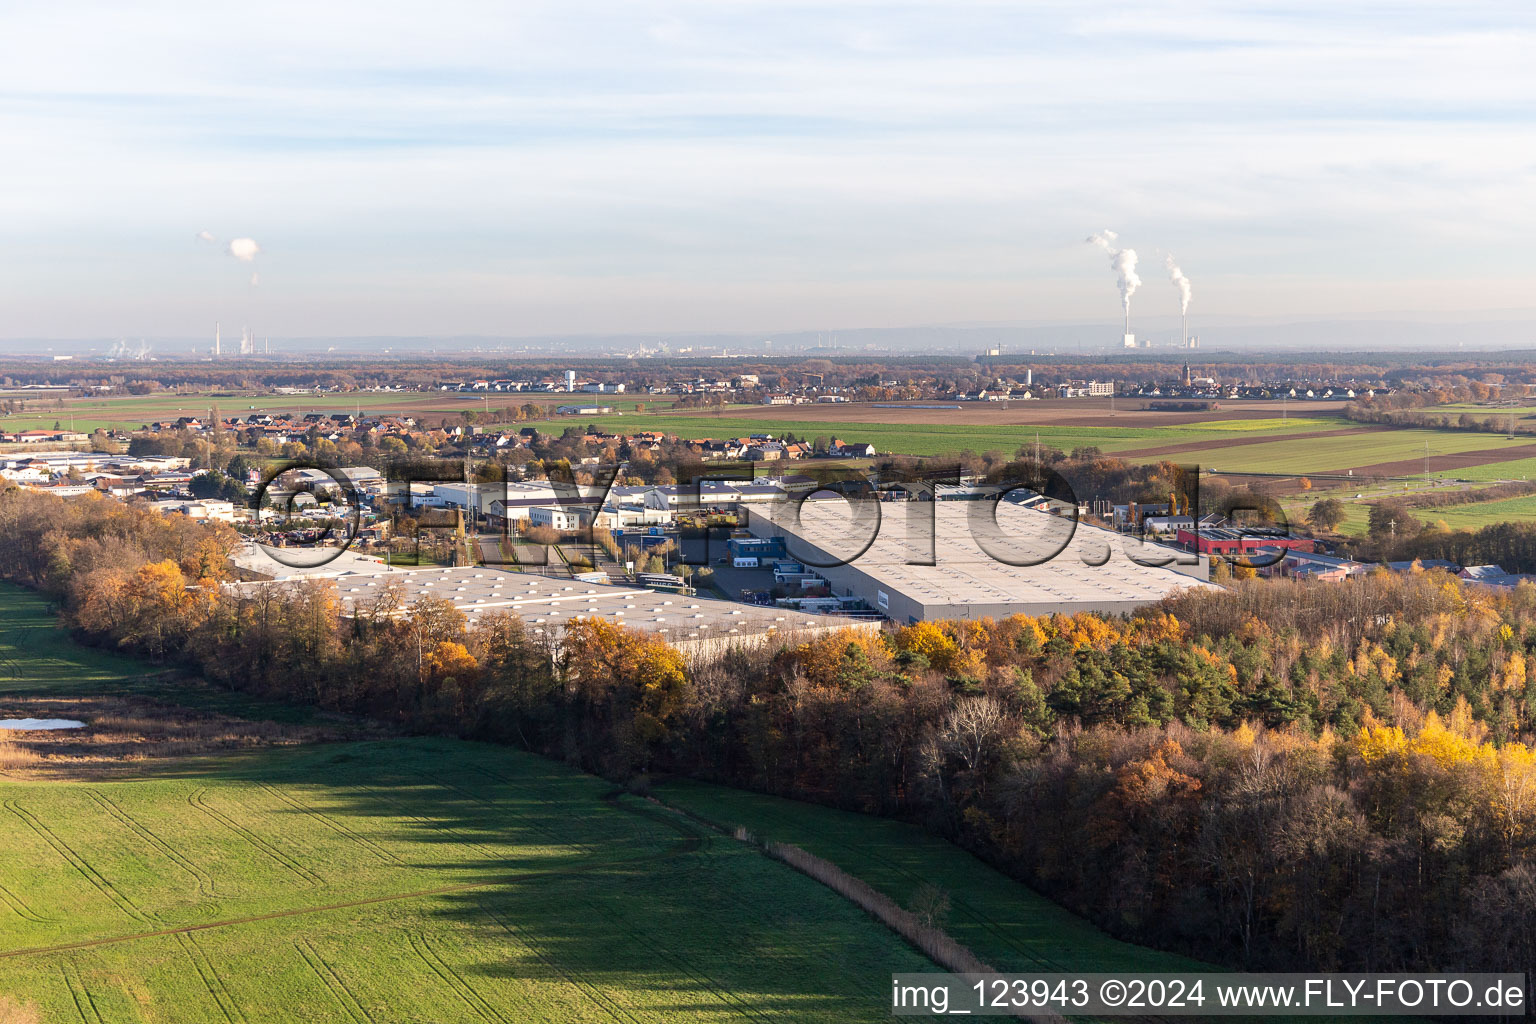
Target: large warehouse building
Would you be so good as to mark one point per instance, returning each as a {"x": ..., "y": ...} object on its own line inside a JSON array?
[
  {"x": 545, "y": 604},
  {"x": 1079, "y": 568}
]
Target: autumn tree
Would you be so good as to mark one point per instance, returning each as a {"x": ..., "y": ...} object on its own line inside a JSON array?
[{"x": 1326, "y": 514}]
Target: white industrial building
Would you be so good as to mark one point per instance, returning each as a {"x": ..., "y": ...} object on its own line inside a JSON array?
[
  {"x": 1080, "y": 568},
  {"x": 558, "y": 518}
]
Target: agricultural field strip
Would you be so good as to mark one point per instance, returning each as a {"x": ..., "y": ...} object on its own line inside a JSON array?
[
  {"x": 332, "y": 981},
  {"x": 453, "y": 980},
  {"x": 208, "y": 972},
  {"x": 198, "y": 801},
  {"x": 80, "y": 994},
  {"x": 274, "y": 915},
  {"x": 129, "y": 413},
  {"x": 1341, "y": 452},
  {"x": 433, "y": 959},
  {"x": 940, "y": 438},
  {"x": 79, "y": 863},
  {"x": 205, "y": 882},
  {"x": 686, "y": 843}
]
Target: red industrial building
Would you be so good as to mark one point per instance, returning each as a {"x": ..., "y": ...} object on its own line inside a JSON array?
[{"x": 1227, "y": 540}]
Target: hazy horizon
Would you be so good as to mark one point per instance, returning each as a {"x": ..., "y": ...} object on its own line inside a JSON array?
[{"x": 1489, "y": 331}]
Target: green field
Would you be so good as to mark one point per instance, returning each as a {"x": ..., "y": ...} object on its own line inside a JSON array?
[
  {"x": 1008, "y": 925},
  {"x": 129, "y": 412},
  {"x": 935, "y": 439},
  {"x": 1523, "y": 413},
  {"x": 426, "y": 880},
  {"x": 1346, "y": 451},
  {"x": 1486, "y": 513},
  {"x": 1515, "y": 469},
  {"x": 1273, "y": 425},
  {"x": 1468, "y": 516}
]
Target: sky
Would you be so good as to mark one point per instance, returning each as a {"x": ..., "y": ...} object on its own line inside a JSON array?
[{"x": 519, "y": 168}]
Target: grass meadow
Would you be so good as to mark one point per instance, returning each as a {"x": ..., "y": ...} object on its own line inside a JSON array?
[
  {"x": 1348, "y": 451},
  {"x": 938, "y": 439},
  {"x": 1006, "y": 924},
  {"x": 410, "y": 880}
]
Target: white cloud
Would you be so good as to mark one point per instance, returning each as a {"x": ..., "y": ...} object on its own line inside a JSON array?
[{"x": 244, "y": 249}]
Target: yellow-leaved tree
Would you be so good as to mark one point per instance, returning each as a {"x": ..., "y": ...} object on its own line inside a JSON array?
[{"x": 638, "y": 677}]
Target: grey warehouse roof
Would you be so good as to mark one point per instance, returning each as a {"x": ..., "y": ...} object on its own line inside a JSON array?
[{"x": 546, "y": 603}]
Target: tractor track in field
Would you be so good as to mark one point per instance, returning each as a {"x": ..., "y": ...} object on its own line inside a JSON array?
[
  {"x": 453, "y": 979},
  {"x": 504, "y": 780},
  {"x": 684, "y": 846},
  {"x": 575, "y": 979},
  {"x": 195, "y": 800},
  {"x": 210, "y": 978},
  {"x": 79, "y": 863},
  {"x": 332, "y": 824},
  {"x": 205, "y": 882},
  {"x": 274, "y": 915},
  {"x": 437, "y": 826},
  {"x": 333, "y": 983},
  {"x": 20, "y": 908},
  {"x": 85, "y": 1006}
]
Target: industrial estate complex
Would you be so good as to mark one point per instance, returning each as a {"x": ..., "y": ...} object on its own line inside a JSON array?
[{"x": 972, "y": 559}]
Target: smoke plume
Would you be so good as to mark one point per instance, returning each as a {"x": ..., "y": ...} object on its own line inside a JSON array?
[
  {"x": 1122, "y": 261},
  {"x": 244, "y": 249},
  {"x": 206, "y": 236},
  {"x": 1180, "y": 282}
]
